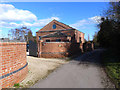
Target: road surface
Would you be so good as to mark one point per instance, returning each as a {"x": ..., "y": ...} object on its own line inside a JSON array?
[{"x": 83, "y": 72}]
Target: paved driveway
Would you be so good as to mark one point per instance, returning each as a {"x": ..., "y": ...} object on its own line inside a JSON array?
[{"x": 82, "y": 72}]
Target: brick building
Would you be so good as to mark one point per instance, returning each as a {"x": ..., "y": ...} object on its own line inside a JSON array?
[{"x": 57, "y": 39}]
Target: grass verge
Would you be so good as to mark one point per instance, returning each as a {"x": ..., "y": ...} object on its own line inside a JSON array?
[{"x": 111, "y": 63}]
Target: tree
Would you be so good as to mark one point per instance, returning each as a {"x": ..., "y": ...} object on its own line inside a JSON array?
[
  {"x": 30, "y": 37},
  {"x": 105, "y": 34},
  {"x": 95, "y": 40},
  {"x": 95, "y": 37},
  {"x": 113, "y": 11},
  {"x": 18, "y": 34},
  {"x": 109, "y": 34}
]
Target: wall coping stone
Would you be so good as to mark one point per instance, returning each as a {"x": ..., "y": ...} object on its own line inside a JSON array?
[
  {"x": 12, "y": 43},
  {"x": 56, "y": 42}
]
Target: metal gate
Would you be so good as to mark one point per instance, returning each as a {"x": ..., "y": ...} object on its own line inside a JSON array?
[{"x": 33, "y": 48}]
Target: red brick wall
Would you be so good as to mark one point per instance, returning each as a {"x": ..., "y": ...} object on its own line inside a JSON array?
[
  {"x": 13, "y": 57},
  {"x": 82, "y": 39},
  {"x": 53, "y": 39},
  {"x": 42, "y": 34},
  {"x": 70, "y": 32},
  {"x": 58, "y": 49},
  {"x": 79, "y": 34}
]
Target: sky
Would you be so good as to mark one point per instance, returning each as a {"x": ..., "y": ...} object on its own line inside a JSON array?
[{"x": 84, "y": 16}]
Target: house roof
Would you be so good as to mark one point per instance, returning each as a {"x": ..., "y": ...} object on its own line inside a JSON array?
[
  {"x": 60, "y": 24},
  {"x": 56, "y": 34},
  {"x": 55, "y": 31}
]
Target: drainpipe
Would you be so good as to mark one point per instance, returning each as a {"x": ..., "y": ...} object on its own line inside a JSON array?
[
  {"x": 38, "y": 44},
  {"x": 40, "y": 48}
]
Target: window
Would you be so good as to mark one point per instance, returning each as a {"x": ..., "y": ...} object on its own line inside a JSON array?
[
  {"x": 47, "y": 40},
  {"x": 39, "y": 37},
  {"x": 58, "y": 40},
  {"x": 54, "y": 26},
  {"x": 80, "y": 40}
]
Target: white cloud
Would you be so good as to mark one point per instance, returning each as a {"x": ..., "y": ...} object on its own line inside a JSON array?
[
  {"x": 6, "y": 24},
  {"x": 82, "y": 24},
  {"x": 37, "y": 29},
  {"x": 9, "y": 13},
  {"x": 38, "y": 23},
  {"x": 43, "y": 22},
  {"x": 0, "y": 30},
  {"x": 95, "y": 19},
  {"x": 11, "y": 17},
  {"x": 4, "y": 1}
]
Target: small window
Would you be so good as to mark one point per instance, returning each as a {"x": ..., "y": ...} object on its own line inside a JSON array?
[
  {"x": 58, "y": 40},
  {"x": 80, "y": 40},
  {"x": 47, "y": 40},
  {"x": 54, "y": 26},
  {"x": 39, "y": 37}
]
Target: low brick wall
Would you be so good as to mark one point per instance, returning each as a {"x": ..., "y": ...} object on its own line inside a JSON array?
[
  {"x": 13, "y": 63},
  {"x": 59, "y": 49}
]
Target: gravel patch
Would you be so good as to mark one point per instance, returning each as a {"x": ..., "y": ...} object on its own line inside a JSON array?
[{"x": 39, "y": 68}]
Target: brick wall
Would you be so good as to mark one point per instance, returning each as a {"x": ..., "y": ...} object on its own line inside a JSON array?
[
  {"x": 79, "y": 35},
  {"x": 70, "y": 32},
  {"x": 13, "y": 63},
  {"x": 53, "y": 39},
  {"x": 59, "y": 49}
]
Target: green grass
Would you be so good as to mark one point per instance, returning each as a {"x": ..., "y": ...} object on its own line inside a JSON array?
[
  {"x": 112, "y": 66},
  {"x": 17, "y": 85}
]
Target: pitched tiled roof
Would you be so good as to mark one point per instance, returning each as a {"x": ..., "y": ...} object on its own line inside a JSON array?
[
  {"x": 64, "y": 27},
  {"x": 62, "y": 24},
  {"x": 56, "y": 34},
  {"x": 56, "y": 30},
  {"x": 59, "y": 24}
]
